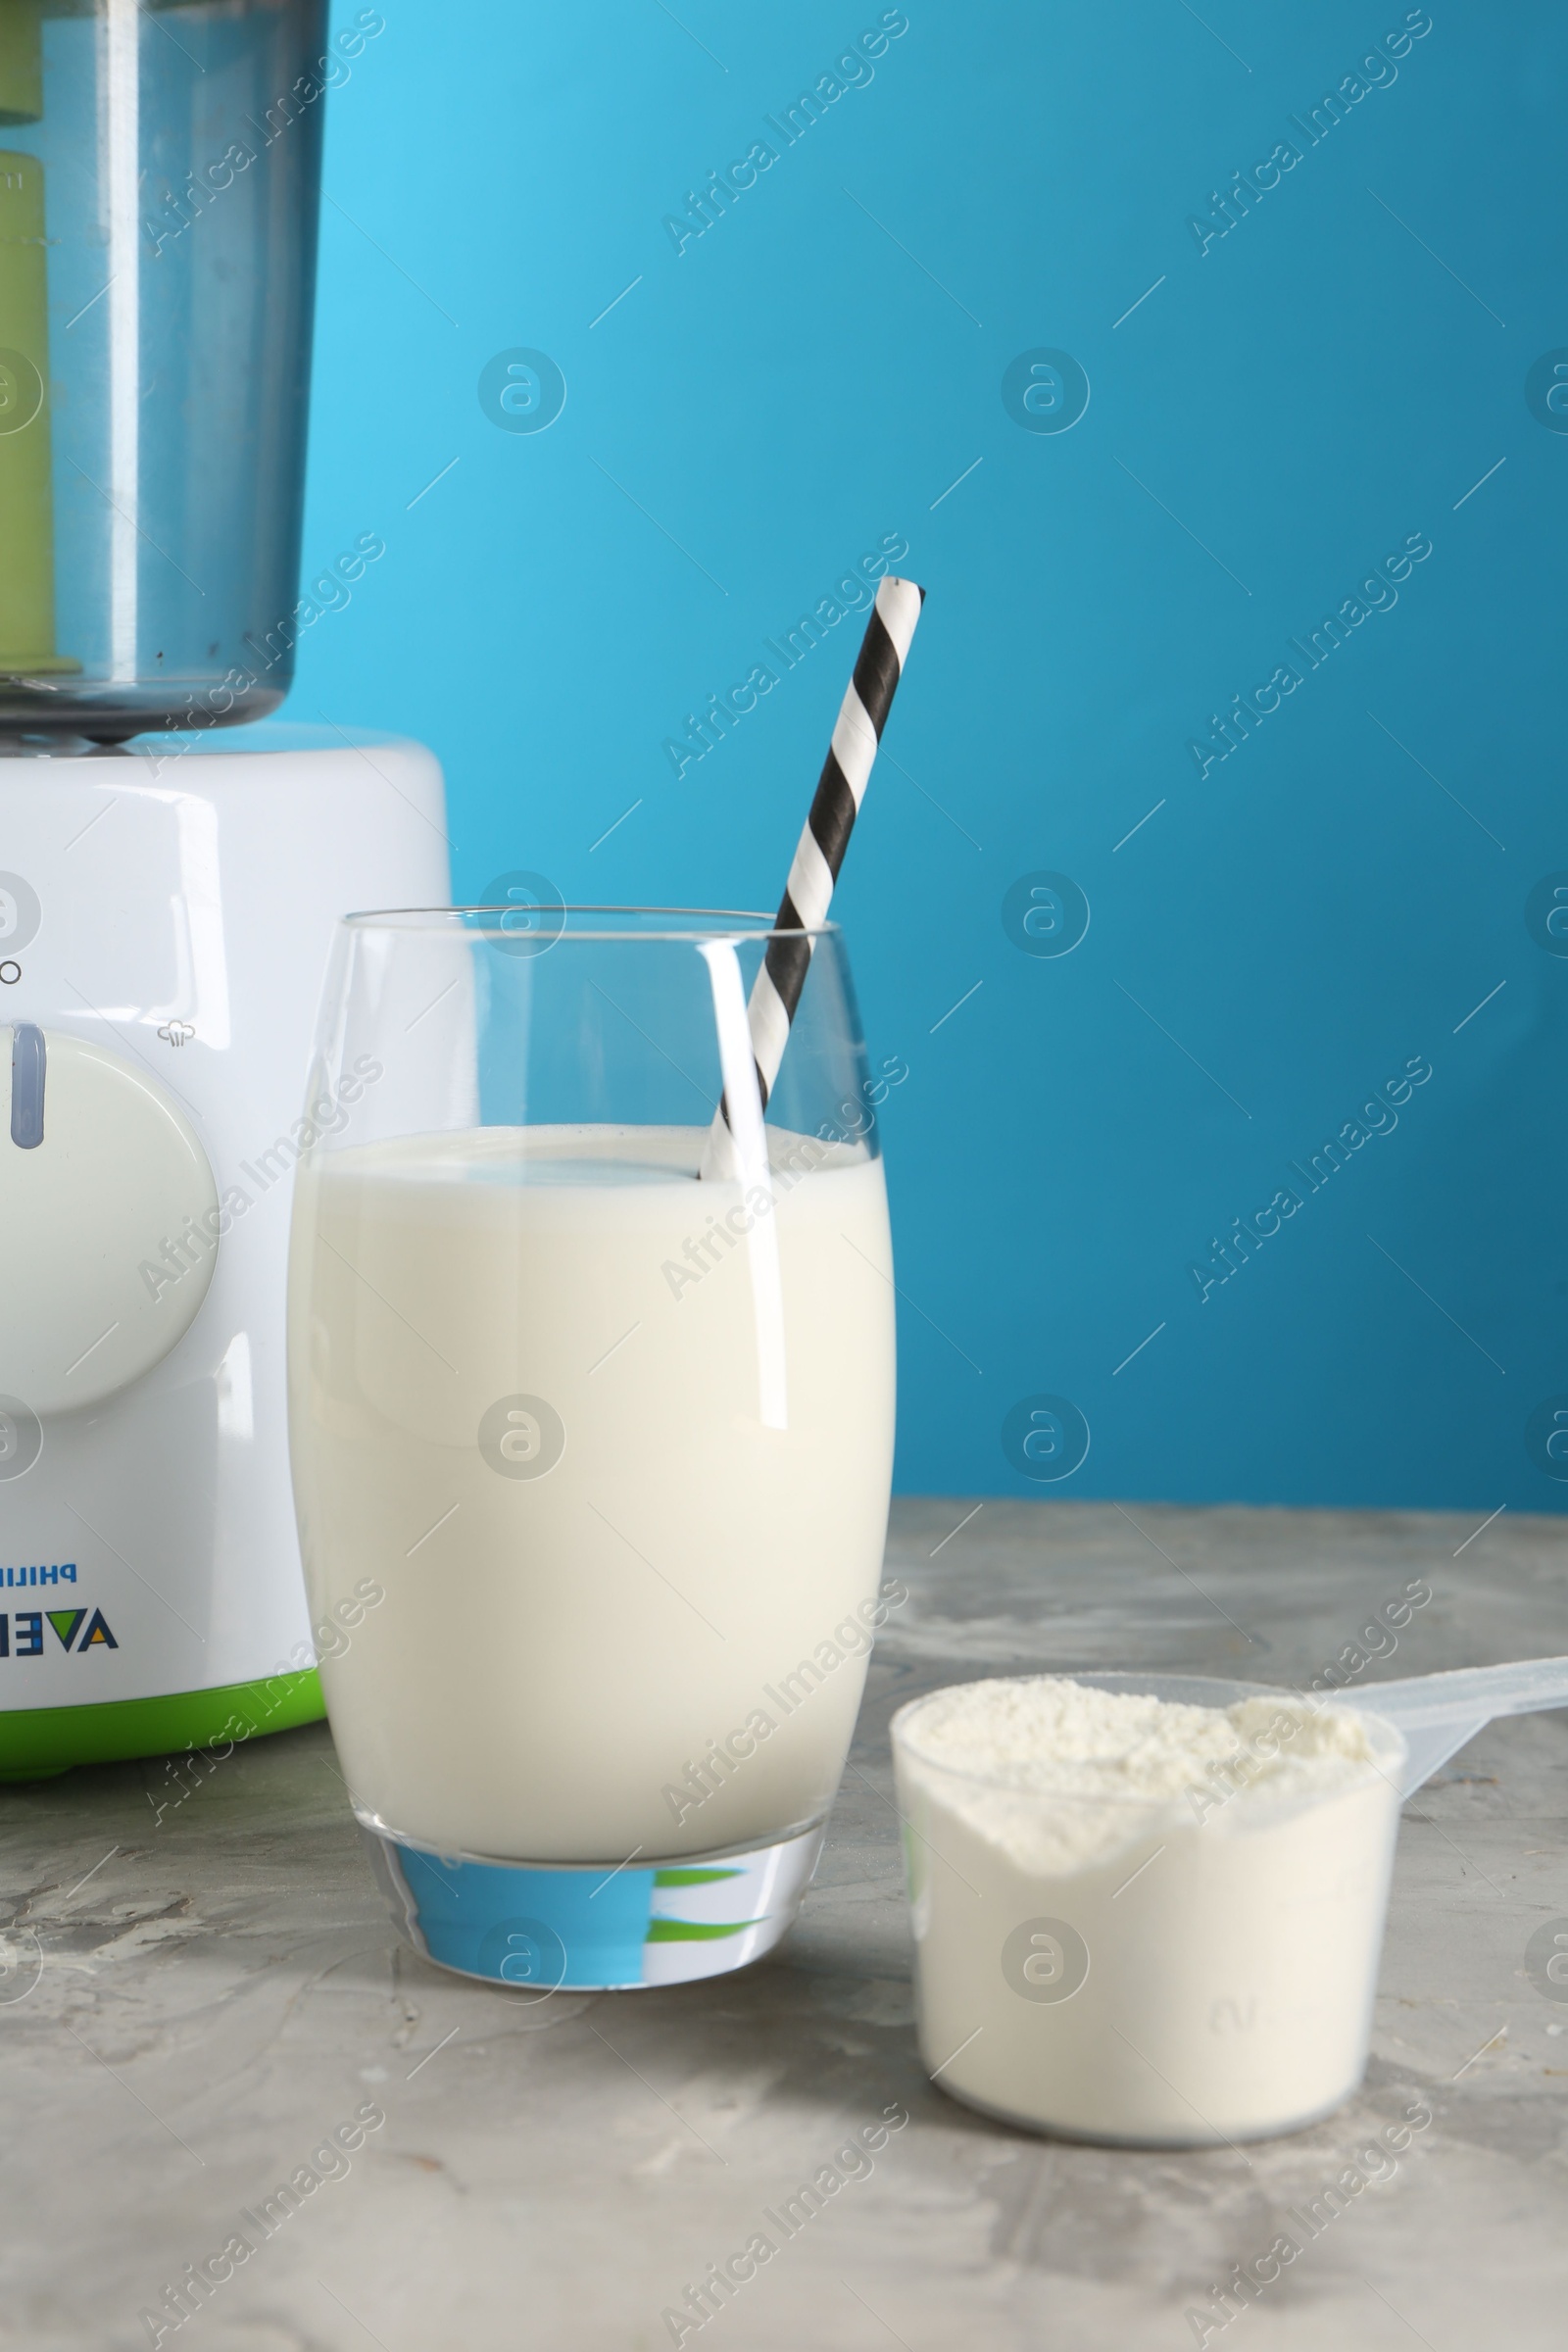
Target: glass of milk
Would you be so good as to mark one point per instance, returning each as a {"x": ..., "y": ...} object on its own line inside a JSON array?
[
  {"x": 1148, "y": 1909},
  {"x": 591, "y": 1427}
]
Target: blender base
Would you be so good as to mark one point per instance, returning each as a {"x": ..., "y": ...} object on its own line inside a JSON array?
[
  {"x": 580, "y": 1927},
  {"x": 38, "y": 1743},
  {"x": 165, "y": 916}
]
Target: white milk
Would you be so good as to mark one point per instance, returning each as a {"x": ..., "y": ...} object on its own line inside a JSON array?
[
  {"x": 1145, "y": 1922},
  {"x": 563, "y": 1639}
]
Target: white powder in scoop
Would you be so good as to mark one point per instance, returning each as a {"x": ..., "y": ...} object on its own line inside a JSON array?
[
  {"x": 1142, "y": 1920},
  {"x": 1105, "y": 1755}
]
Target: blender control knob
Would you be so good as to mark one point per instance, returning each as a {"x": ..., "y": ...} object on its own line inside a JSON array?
[{"x": 108, "y": 1221}]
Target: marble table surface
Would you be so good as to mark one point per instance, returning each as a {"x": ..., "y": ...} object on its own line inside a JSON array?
[{"x": 192, "y": 2001}]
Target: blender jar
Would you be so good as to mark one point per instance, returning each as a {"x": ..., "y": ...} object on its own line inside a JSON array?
[{"x": 160, "y": 169}]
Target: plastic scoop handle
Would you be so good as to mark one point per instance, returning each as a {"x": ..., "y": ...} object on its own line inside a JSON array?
[{"x": 1437, "y": 1713}]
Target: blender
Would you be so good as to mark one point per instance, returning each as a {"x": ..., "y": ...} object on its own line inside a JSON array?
[{"x": 168, "y": 893}]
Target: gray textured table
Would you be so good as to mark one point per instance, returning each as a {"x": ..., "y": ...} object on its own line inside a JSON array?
[{"x": 219, "y": 1991}]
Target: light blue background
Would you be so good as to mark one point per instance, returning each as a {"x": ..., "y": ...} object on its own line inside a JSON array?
[{"x": 1320, "y": 383}]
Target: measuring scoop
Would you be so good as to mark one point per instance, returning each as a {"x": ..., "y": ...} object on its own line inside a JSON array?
[{"x": 1437, "y": 1713}]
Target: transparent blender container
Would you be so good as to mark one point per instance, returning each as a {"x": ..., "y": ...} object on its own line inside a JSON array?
[{"x": 160, "y": 167}]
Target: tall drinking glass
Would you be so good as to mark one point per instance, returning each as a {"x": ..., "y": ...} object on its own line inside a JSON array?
[{"x": 592, "y": 1428}]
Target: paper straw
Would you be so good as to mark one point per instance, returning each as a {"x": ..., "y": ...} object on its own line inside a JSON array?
[
  {"x": 746, "y": 1141},
  {"x": 802, "y": 910}
]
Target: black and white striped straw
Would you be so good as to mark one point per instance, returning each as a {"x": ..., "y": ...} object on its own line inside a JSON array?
[{"x": 802, "y": 910}]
